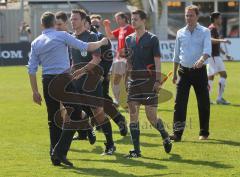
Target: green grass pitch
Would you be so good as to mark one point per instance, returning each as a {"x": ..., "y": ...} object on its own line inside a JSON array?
[{"x": 24, "y": 137}]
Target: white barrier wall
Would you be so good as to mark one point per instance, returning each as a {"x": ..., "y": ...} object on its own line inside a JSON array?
[
  {"x": 233, "y": 49},
  {"x": 167, "y": 49}
]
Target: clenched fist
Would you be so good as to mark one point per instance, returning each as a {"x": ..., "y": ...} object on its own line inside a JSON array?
[{"x": 106, "y": 22}]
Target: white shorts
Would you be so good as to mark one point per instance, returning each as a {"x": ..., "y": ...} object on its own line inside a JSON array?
[
  {"x": 215, "y": 65},
  {"x": 119, "y": 66}
]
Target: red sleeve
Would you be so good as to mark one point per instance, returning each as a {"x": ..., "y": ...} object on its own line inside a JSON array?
[
  {"x": 130, "y": 30},
  {"x": 116, "y": 32}
]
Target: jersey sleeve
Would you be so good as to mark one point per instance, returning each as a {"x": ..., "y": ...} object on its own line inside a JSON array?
[
  {"x": 156, "y": 47},
  {"x": 130, "y": 30},
  {"x": 116, "y": 32}
]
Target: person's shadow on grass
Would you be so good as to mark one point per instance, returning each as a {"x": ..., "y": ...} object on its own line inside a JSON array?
[
  {"x": 106, "y": 172},
  {"x": 178, "y": 159},
  {"x": 217, "y": 141},
  {"x": 119, "y": 159}
]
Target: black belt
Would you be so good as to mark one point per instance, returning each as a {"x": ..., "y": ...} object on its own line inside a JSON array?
[
  {"x": 191, "y": 69},
  {"x": 49, "y": 75}
]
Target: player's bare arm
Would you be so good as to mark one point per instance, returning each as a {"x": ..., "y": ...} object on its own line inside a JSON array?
[
  {"x": 157, "y": 84},
  {"x": 92, "y": 46},
  {"x": 129, "y": 68},
  {"x": 94, "y": 62},
  {"x": 175, "y": 68},
  {"x": 217, "y": 41},
  {"x": 224, "y": 53}
]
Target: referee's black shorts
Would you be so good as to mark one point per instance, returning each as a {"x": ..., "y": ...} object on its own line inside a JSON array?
[
  {"x": 141, "y": 91},
  {"x": 91, "y": 87}
]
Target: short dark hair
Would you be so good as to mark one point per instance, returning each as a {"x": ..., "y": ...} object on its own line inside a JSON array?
[
  {"x": 214, "y": 16},
  {"x": 81, "y": 12},
  {"x": 141, "y": 14},
  {"x": 193, "y": 7},
  {"x": 61, "y": 15},
  {"x": 48, "y": 19},
  {"x": 88, "y": 19},
  {"x": 122, "y": 15}
]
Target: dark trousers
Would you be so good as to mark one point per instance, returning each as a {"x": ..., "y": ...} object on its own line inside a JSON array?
[
  {"x": 105, "y": 88},
  {"x": 53, "y": 106},
  {"x": 109, "y": 109},
  {"x": 199, "y": 80}
]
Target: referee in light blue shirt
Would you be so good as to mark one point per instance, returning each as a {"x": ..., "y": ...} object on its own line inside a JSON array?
[
  {"x": 192, "y": 49},
  {"x": 51, "y": 50}
]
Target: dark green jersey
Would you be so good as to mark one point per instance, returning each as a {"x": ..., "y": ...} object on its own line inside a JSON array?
[
  {"x": 84, "y": 56},
  {"x": 143, "y": 50}
]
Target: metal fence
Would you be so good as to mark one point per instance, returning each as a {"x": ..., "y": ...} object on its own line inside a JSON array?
[{"x": 9, "y": 20}]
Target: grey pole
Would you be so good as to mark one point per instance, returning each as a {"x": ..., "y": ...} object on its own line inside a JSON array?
[{"x": 22, "y": 11}]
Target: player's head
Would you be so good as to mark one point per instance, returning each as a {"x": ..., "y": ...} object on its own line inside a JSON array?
[
  {"x": 96, "y": 16},
  {"x": 139, "y": 18},
  {"x": 121, "y": 18},
  {"x": 96, "y": 20},
  {"x": 191, "y": 15},
  {"x": 216, "y": 18},
  {"x": 78, "y": 18},
  {"x": 61, "y": 21},
  {"x": 48, "y": 20}
]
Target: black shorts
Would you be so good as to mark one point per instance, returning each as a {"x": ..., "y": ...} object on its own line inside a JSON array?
[
  {"x": 141, "y": 91},
  {"x": 92, "y": 88}
]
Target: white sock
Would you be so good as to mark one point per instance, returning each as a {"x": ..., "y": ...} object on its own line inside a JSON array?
[
  {"x": 116, "y": 92},
  {"x": 210, "y": 84},
  {"x": 221, "y": 84}
]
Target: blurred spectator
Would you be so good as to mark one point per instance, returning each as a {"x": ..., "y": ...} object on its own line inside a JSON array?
[{"x": 24, "y": 32}]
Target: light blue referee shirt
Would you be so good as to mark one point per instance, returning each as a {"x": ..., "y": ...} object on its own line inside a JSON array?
[
  {"x": 50, "y": 49},
  {"x": 190, "y": 46}
]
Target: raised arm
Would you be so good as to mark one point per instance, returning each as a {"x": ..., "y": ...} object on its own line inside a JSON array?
[
  {"x": 92, "y": 46},
  {"x": 78, "y": 44},
  {"x": 108, "y": 31}
]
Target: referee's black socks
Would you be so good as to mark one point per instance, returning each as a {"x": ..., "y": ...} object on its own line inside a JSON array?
[
  {"x": 119, "y": 119},
  {"x": 160, "y": 127},
  {"x": 107, "y": 130},
  {"x": 135, "y": 133}
]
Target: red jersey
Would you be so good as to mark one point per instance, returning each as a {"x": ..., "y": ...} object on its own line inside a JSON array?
[{"x": 121, "y": 33}]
